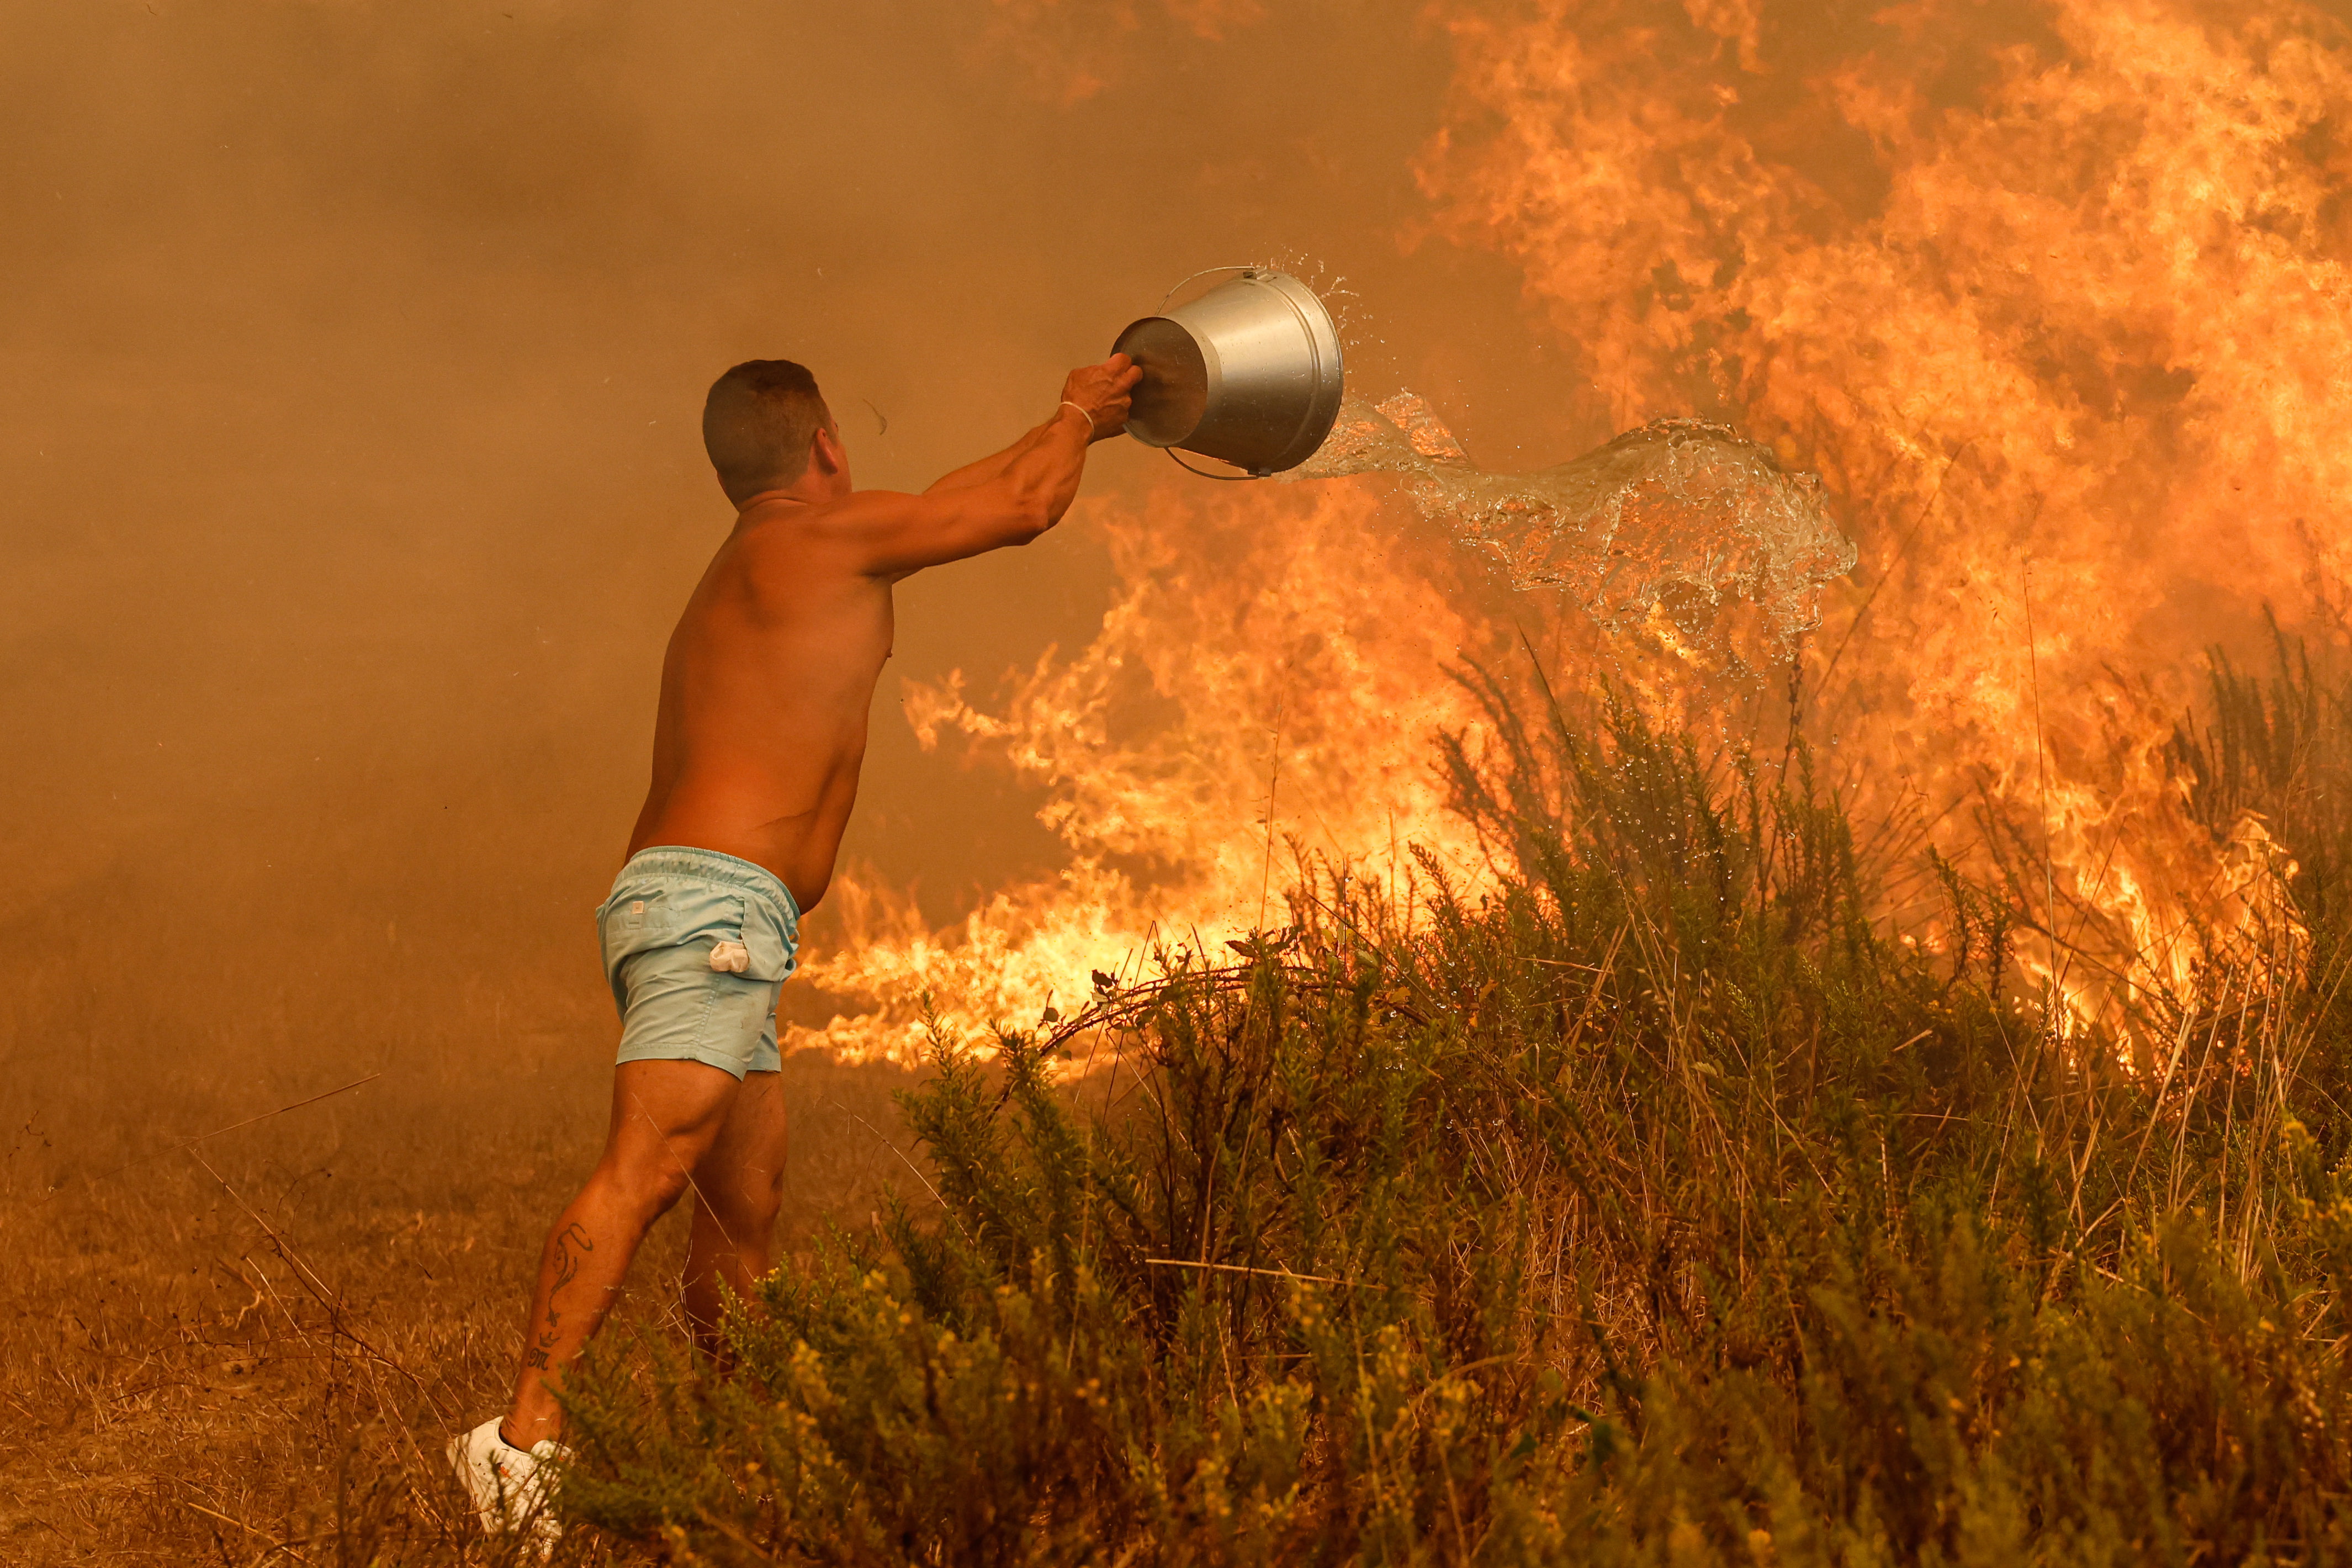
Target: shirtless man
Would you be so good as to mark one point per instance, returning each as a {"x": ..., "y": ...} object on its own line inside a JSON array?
[{"x": 764, "y": 695}]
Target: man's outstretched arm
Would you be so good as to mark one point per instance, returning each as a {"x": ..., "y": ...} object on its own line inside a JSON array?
[
  {"x": 1104, "y": 426},
  {"x": 1010, "y": 497}
]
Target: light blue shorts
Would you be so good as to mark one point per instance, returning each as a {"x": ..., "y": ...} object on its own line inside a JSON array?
[{"x": 697, "y": 946}]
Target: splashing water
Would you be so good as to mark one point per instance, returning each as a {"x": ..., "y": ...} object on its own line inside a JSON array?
[{"x": 1680, "y": 528}]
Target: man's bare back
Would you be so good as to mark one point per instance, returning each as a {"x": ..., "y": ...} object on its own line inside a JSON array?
[
  {"x": 764, "y": 697},
  {"x": 771, "y": 673}
]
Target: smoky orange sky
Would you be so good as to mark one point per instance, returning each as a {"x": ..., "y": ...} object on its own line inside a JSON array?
[
  {"x": 353, "y": 353},
  {"x": 353, "y": 356}
]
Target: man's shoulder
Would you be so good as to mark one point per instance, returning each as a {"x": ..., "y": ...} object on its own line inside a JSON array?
[
  {"x": 812, "y": 521},
  {"x": 796, "y": 548}
]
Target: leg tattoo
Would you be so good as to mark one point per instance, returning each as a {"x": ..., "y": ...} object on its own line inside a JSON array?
[
  {"x": 567, "y": 1259},
  {"x": 573, "y": 1241}
]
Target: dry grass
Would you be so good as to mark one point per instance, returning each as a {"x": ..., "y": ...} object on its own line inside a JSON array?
[{"x": 251, "y": 1352}]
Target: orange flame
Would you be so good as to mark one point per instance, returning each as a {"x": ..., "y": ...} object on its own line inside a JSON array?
[
  {"x": 1289, "y": 647},
  {"x": 2052, "y": 295}
]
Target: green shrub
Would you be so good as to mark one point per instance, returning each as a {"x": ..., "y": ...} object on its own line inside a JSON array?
[{"x": 1644, "y": 1202}]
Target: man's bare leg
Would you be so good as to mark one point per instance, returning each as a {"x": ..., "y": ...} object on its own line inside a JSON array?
[
  {"x": 666, "y": 1118},
  {"x": 738, "y": 1189}
]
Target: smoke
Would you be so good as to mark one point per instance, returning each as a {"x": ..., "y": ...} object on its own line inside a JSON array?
[{"x": 353, "y": 353}]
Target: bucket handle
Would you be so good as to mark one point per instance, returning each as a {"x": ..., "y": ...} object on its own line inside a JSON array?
[
  {"x": 1244, "y": 267},
  {"x": 1227, "y": 478}
]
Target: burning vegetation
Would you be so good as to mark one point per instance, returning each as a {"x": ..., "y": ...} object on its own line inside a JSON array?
[
  {"x": 1889, "y": 1114},
  {"x": 1652, "y": 1202}
]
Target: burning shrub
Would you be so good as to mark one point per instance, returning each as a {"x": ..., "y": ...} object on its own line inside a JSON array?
[{"x": 1647, "y": 1202}]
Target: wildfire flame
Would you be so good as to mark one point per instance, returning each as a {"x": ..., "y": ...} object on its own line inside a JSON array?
[
  {"x": 2051, "y": 296},
  {"x": 1272, "y": 672},
  {"x": 2066, "y": 328}
]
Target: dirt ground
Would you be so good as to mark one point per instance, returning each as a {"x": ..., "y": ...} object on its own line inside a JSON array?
[{"x": 252, "y": 1350}]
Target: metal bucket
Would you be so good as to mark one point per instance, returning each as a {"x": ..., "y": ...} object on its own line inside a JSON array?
[{"x": 1248, "y": 373}]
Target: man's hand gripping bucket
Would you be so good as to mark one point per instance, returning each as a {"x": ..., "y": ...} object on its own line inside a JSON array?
[{"x": 1248, "y": 373}]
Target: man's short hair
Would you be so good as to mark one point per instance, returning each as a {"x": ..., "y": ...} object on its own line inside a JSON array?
[{"x": 759, "y": 425}]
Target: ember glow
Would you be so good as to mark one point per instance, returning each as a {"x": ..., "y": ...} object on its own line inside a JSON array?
[{"x": 2051, "y": 296}]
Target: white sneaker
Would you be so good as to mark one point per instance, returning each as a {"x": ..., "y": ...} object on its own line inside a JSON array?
[{"x": 507, "y": 1484}]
